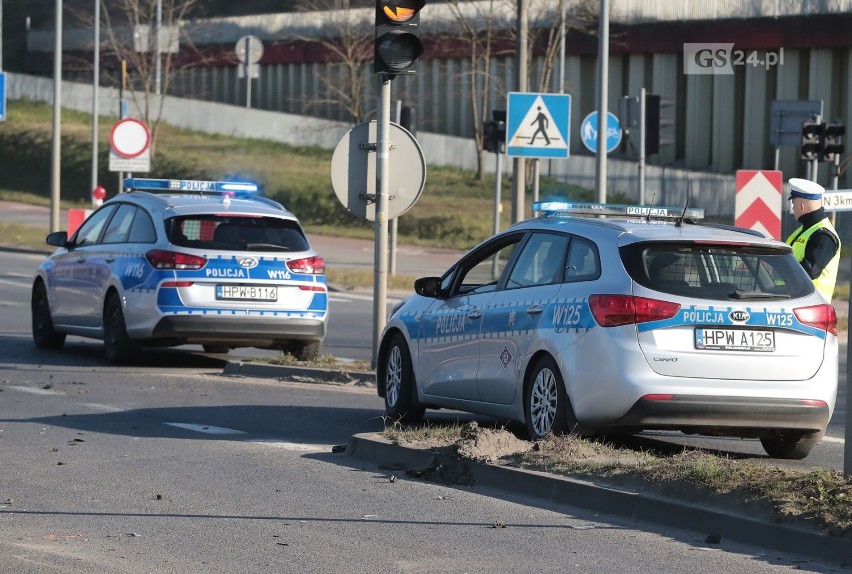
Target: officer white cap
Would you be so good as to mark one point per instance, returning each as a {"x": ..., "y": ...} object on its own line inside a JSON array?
[{"x": 805, "y": 189}]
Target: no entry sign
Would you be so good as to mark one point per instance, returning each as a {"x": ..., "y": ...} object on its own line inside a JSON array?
[
  {"x": 130, "y": 138},
  {"x": 130, "y": 146}
]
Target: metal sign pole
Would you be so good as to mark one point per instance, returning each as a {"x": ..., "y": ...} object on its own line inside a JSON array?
[
  {"x": 847, "y": 448},
  {"x": 56, "y": 155},
  {"x": 95, "y": 85},
  {"x": 380, "y": 282},
  {"x": 642, "y": 132},
  {"x": 498, "y": 188}
]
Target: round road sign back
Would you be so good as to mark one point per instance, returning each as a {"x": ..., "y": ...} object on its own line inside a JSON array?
[
  {"x": 353, "y": 171},
  {"x": 129, "y": 138},
  {"x": 249, "y": 49}
]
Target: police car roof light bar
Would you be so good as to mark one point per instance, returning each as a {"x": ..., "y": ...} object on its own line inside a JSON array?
[
  {"x": 189, "y": 186},
  {"x": 547, "y": 208}
]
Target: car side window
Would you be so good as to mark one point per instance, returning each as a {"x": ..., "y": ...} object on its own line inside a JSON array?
[
  {"x": 583, "y": 263},
  {"x": 119, "y": 226},
  {"x": 142, "y": 230},
  {"x": 540, "y": 262},
  {"x": 91, "y": 229},
  {"x": 482, "y": 272}
]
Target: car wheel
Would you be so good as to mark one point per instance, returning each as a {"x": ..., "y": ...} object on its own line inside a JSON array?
[
  {"x": 546, "y": 406},
  {"x": 44, "y": 335},
  {"x": 793, "y": 446},
  {"x": 216, "y": 349},
  {"x": 119, "y": 348},
  {"x": 398, "y": 376},
  {"x": 307, "y": 350}
]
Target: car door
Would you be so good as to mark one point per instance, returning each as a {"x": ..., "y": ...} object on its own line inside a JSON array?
[
  {"x": 72, "y": 280},
  {"x": 450, "y": 328},
  {"x": 513, "y": 317}
]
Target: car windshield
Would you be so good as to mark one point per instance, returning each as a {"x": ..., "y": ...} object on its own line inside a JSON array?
[
  {"x": 236, "y": 233},
  {"x": 717, "y": 271}
]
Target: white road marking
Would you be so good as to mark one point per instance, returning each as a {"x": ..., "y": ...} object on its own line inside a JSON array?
[
  {"x": 834, "y": 439},
  {"x": 294, "y": 446},
  {"x": 34, "y": 391},
  {"x": 205, "y": 428},
  {"x": 105, "y": 408}
]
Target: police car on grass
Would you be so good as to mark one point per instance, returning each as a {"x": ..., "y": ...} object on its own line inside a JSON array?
[
  {"x": 645, "y": 320},
  {"x": 172, "y": 262}
]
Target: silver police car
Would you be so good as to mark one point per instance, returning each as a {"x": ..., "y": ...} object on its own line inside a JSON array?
[
  {"x": 173, "y": 262},
  {"x": 644, "y": 320}
]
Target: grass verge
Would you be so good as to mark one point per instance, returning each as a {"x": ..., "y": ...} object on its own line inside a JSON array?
[{"x": 817, "y": 496}]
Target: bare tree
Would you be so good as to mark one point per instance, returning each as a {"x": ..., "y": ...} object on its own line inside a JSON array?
[
  {"x": 130, "y": 26},
  {"x": 488, "y": 34},
  {"x": 478, "y": 31},
  {"x": 347, "y": 39}
]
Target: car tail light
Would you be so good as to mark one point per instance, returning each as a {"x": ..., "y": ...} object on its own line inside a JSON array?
[
  {"x": 312, "y": 265},
  {"x": 177, "y": 284},
  {"x": 822, "y": 317},
  {"x": 615, "y": 310},
  {"x": 162, "y": 259}
]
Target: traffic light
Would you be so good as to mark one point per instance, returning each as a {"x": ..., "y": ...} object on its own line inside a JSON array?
[
  {"x": 812, "y": 140},
  {"x": 494, "y": 132},
  {"x": 397, "y": 36},
  {"x": 833, "y": 141}
]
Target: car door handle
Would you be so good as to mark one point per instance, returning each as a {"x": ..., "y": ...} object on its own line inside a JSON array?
[
  {"x": 475, "y": 314},
  {"x": 81, "y": 260},
  {"x": 110, "y": 259},
  {"x": 534, "y": 309}
]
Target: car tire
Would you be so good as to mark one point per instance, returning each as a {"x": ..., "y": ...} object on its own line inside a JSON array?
[
  {"x": 546, "y": 406},
  {"x": 793, "y": 446},
  {"x": 216, "y": 349},
  {"x": 44, "y": 335},
  {"x": 307, "y": 350},
  {"x": 119, "y": 348},
  {"x": 397, "y": 374}
]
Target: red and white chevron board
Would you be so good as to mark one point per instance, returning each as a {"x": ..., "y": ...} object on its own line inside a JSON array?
[{"x": 759, "y": 201}]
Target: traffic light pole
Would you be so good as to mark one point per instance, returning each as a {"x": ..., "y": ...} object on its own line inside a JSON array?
[{"x": 380, "y": 283}]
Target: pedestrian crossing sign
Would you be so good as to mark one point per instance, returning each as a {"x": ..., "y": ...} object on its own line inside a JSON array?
[{"x": 538, "y": 125}]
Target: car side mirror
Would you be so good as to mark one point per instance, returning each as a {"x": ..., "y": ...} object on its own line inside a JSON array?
[
  {"x": 57, "y": 238},
  {"x": 427, "y": 286}
]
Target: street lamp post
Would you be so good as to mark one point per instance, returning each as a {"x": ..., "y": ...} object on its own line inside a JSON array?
[
  {"x": 95, "y": 85},
  {"x": 55, "y": 163}
]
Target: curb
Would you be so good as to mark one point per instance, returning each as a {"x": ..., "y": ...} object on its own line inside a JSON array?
[
  {"x": 628, "y": 504},
  {"x": 309, "y": 374}
]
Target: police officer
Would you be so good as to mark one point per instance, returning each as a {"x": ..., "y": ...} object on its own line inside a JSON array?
[{"x": 816, "y": 244}]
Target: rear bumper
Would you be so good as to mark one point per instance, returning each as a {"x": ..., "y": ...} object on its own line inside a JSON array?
[
  {"x": 706, "y": 413},
  {"x": 204, "y": 328}
]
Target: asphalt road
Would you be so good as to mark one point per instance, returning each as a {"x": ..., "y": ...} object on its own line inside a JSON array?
[{"x": 171, "y": 467}]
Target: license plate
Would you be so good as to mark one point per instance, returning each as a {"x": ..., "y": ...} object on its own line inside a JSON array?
[
  {"x": 712, "y": 338},
  {"x": 246, "y": 293}
]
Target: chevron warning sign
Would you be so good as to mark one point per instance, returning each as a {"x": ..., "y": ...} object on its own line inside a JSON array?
[{"x": 759, "y": 201}]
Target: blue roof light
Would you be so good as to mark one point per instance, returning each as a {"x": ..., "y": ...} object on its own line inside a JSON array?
[
  {"x": 190, "y": 185},
  {"x": 580, "y": 208}
]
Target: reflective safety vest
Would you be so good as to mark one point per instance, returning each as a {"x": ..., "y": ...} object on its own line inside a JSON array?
[{"x": 824, "y": 283}]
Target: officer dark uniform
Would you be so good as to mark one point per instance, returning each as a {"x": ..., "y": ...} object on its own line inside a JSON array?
[{"x": 816, "y": 244}]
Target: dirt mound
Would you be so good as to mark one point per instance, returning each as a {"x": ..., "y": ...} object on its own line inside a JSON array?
[{"x": 489, "y": 445}]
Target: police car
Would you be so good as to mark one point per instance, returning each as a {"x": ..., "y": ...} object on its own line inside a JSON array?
[
  {"x": 172, "y": 262},
  {"x": 644, "y": 320}
]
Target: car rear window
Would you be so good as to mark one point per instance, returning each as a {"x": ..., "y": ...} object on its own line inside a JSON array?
[
  {"x": 717, "y": 271},
  {"x": 236, "y": 233}
]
